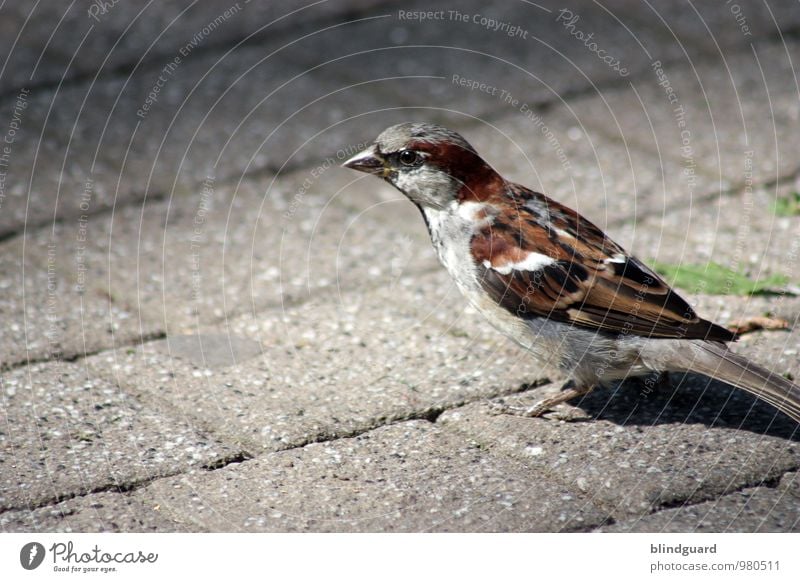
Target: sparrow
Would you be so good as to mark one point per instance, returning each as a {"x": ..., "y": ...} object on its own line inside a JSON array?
[{"x": 552, "y": 281}]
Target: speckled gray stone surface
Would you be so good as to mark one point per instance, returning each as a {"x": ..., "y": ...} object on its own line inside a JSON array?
[{"x": 209, "y": 326}]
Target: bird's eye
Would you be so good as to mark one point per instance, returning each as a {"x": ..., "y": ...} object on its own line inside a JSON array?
[{"x": 409, "y": 157}]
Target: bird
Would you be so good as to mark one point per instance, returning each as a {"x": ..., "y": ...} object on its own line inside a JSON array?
[{"x": 551, "y": 280}]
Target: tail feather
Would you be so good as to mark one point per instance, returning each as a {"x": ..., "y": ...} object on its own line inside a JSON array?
[{"x": 717, "y": 361}]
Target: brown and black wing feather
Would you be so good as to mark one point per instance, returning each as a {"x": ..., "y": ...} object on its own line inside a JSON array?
[{"x": 592, "y": 282}]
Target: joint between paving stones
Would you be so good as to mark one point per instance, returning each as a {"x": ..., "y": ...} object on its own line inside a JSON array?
[
  {"x": 121, "y": 488},
  {"x": 770, "y": 483},
  {"x": 430, "y": 414},
  {"x": 130, "y": 486},
  {"x": 75, "y": 357},
  {"x": 788, "y": 178}
]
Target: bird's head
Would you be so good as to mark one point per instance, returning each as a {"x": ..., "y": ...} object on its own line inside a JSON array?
[{"x": 430, "y": 164}]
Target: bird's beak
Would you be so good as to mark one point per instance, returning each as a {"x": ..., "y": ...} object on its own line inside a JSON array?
[{"x": 369, "y": 161}]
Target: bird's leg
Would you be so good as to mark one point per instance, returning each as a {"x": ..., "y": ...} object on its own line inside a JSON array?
[{"x": 569, "y": 391}]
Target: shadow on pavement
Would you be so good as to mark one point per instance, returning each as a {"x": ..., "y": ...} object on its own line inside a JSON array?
[{"x": 689, "y": 399}]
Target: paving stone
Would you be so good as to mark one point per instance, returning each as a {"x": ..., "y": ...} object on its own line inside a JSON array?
[
  {"x": 790, "y": 483},
  {"x": 87, "y": 148},
  {"x": 310, "y": 306},
  {"x": 335, "y": 366},
  {"x": 734, "y": 121},
  {"x": 739, "y": 230},
  {"x": 282, "y": 241},
  {"x": 57, "y": 300},
  {"x": 80, "y": 136},
  {"x": 97, "y": 512},
  {"x": 409, "y": 477},
  {"x": 535, "y": 51},
  {"x": 47, "y": 41},
  {"x": 95, "y": 146},
  {"x": 209, "y": 350},
  {"x": 172, "y": 266},
  {"x": 545, "y": 60},
  {"x": 593, "y": 162},
  {"x": 144, "y": 34},
  {"x": 643, "y": 451},
  {"x": 66, "y": 432},
  {"x": 775, "y": 350},
  {"x": 711, "y": 26},
  {"x": 759, "y": 509}
]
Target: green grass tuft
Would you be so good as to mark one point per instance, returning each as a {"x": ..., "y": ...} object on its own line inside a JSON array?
[
  {"x": 787, "y": 205},
  {"x": 714, "y": 279}
]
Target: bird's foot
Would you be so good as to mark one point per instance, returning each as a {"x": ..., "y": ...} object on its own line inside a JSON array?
[{"x": 544, "y": 406}]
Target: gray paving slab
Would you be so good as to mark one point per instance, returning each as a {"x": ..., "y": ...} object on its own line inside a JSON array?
[
  {"x": 304, "y": 231},
  {"x": 58, "y": 301},
  {"x": 103, "y": 168},
  {"x": 538, "y": 52},
  {"x": 733, "y": 118},
  {"x": 409, "y": 477},
  {"x": 96, "y": 512},
  {"x": 209, "y": 350},
  {"x": 331, "y": 367},
  {"x": 89, "y": 147},
  {"x": 49, "y": 41},
  {"x": 278, "y": 313},
  {"x": 534, "y": 53},
  {"x": 221, "y": 250},
  {"x": 161, "y": 30},
  {"x": 66, "y": 432},
  {"x": 776, "y": 350},
  {"x": 739, "y": 230},
  {"x": 714, "y": 27},
  {"x": 641, "y": 452},
  {"x": 758, "y": 509}
]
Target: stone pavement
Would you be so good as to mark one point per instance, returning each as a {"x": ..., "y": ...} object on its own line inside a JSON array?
[{"x": 209, "y": 326}]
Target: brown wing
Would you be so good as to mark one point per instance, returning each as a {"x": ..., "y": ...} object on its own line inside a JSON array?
[{"x": 570, "y": 271}]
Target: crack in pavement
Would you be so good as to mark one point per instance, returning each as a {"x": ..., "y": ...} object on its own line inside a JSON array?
[
  {"x": 73, "y": 356},
  {"x": 287, "y": 302},
  {"x": 428, "y": 414},
  {"x": 769, "y": 483}
]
